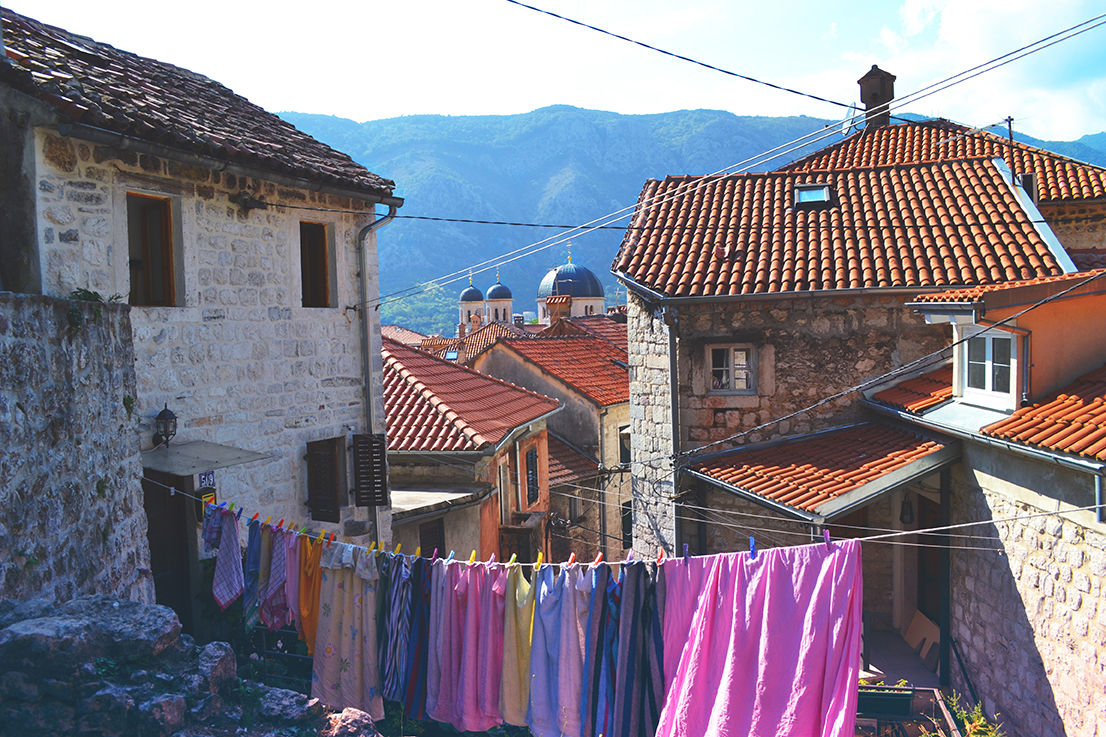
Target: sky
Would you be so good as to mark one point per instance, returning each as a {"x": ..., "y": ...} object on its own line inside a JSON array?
[{"x": 373, "y": 60}]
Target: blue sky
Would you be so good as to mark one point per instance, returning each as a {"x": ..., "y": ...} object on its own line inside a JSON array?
[{"x": 370, "y": 60}]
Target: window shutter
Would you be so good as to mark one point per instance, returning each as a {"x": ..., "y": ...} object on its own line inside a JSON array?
[
  {"x": 370, "y": 470},
  {"x": 324, "y": 479},
  {"x": 531, "y": 476}
]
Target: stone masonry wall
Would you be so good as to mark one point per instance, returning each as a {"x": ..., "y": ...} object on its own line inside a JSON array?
[
  {"x": 239, "y": 360},
  {"x": 1077, "y": 225},
  {"x": 73, "y": 521},
  {"x": 1030, "y": 618}
]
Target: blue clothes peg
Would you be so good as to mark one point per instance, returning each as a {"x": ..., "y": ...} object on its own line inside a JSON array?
[
  {"x": 752, "y": 548},
  {"x": 687, "y": 558}
]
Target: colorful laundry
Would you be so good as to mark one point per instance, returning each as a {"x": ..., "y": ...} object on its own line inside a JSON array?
[{"x": 229, "y": 582}]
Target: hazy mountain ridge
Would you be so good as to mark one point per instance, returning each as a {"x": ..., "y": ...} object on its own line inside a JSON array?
[{"x": 557, "y": 165}]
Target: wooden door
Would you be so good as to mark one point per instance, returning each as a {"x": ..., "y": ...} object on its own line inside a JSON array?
[
  {"x": 929, "y": 560},
  {"x": 166, "y": 518}
]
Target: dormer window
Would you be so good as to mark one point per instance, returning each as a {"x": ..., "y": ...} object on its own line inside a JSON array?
[
  {"x": 812, "y": 196},
  {"x": 988, "y": 369}
]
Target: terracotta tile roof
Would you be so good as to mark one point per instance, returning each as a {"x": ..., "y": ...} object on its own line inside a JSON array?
[
  {"x": 1058, "y": 177},
  {"x": 910, "y": 226},
  {"x": 921, "y": 392},
  {"x": 1073, "y": 420},
  {"x": 600, "y": 326},
  {"x": 1086, "y": 259},
  {"x": 811, "y": 471},
  {"x": 568, "y": 465},
  {"x": 98, "y": 85},
  {"x": 591, "y": 365},
  {"x": 476, "y": 341},
  {"x": 402, "y": 334},
  {"x": 436, "y": 405},
  {"x": 974, "y": 294}
]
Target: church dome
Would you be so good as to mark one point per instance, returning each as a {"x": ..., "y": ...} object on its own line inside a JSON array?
[
  {"x": 498, "y": 291},
  {"x": 572, "y": 279},
  {"x": 471, "y": 294}
]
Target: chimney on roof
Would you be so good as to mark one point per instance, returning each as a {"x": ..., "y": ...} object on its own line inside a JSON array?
[
  {"x": 559, "y": 307},
  {"x": 519, "y": 320},
  {"x": 461, "y": 329},
  {"x": 877, "y": 90}
]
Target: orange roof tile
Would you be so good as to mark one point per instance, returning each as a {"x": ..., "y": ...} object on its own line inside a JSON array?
[
  {"x": 601, "y": 326},
  {"x": 1059, "y": 178},
  {"x": 1086, "y": 259},
  {"x": 921, "y": 392},
  {"x": 591, "y": 365},
  {"x": 402, "y": 334},
  {"x": 974, "y": 294},
  {"x": 474, "y": 342},
  {"x": 568, "y": 465},
  {"x": 810, "y": 471},
  {"x": 1073, "y": 420},
  {"x": 436, "y": 405},
  {"x": 924, "y": 225}
]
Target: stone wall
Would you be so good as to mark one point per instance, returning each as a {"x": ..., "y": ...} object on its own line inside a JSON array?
[
  {"x": 73, "y": 520},
  {"x": 1077, "y": 225},
  {"x": 1030, "y": 617},
  {"x": 238, "y": 359}
]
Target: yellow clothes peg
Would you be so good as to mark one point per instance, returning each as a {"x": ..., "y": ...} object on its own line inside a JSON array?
[
  {"x": 418, "y": 551},
  {"x": 398, "y": 546},
  {"x": 472, "y": 558},
  {"x": 372, "y": 547},
  {"x": 268, "y": 520},
  {"x": 537, "y": 566},
  {"x": 320, "y": 537}
]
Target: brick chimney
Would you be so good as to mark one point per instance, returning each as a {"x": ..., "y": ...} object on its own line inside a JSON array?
[
  {"x": 877, "y": 90},
  {"x": 461, "y": 329},
  {"x": 559, "y": 307}
]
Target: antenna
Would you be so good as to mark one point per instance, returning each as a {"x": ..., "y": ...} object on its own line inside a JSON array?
[{"x": 848, "y": 125}]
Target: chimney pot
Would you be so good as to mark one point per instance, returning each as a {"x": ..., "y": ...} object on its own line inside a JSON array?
[{"x": 877, "y": 90}]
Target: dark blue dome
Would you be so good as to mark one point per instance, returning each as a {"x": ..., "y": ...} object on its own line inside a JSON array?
[
  {"x": 572, "y": 279},
  {"x": 471, "y": 294},
  {"x": 498, "y": 291}
]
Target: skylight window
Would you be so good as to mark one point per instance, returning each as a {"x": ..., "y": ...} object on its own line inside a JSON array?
[
  {"x": 812, "y": 195},
  {"x": 451, "y": 355}
]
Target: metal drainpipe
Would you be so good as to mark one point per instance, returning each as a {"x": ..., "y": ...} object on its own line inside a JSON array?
[
  {"x": 603, "y": 479},
  {"x": 670, "y": 319},
  {"x": 366, "y": 333},
  {"x": 1100, "y": 513}
]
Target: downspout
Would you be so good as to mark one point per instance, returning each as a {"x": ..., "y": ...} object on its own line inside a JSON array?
[
  {"x": 518, "y": 479},
  {"x": 366, "y": 334},
  {"x": 671, "y": 320},
  {"x": 603, "y": 480},
  {"x": 1099, "y": 499}
]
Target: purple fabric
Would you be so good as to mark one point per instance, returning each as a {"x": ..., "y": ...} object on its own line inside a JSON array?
[
  {"x": 274, "y": 607},
  {"x": 774, "y": 648},
  {"x": 229, "y": 581}
]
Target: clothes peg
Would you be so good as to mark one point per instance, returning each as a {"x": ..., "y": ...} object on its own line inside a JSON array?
[
  {"x": 435, "y": 555},
  {"x": 172, "y": 491},
  {"x": 492, "y": 560},
  {"x": 231, "y": 507},
  {"x": 537, "y": 566},
  {"x": 450, "y": 558},
  {"x": 254, "y": 517},
  {"x": 304, "y": 530},
  {"x": 398, "y": 546},
  {"x": 752, "y": 548},
  {"x": 331, "y": 538},
  {"x": 687, "y": 558},
  {"x": 238, "y": 516},
  {"x": 280, "y": 525},
  {"x": 660, "y": 555},
  {"x": 514, "y": 557},
  {"x": 571, "y": 559},
  {"x": 418, "y": 551},
  {"x": 267, "y": 520},
  {"x": 629, "y": 555},
  {"x": 826, "y": 537},
  {"x": 320, "y": 536},
  {"x": 598, "y": 560},
  {"x": 472, "y": 558}
]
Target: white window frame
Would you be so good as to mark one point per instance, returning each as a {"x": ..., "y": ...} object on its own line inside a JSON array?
[
  {"x": 986, "y": 396},
  {"x": 732, "y": 385}
]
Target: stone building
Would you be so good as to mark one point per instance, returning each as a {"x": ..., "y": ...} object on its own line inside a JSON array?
[
  {"x": 589, "y": 375},
  {"x": 247, "y": 252},
  {"x": 761, "y": 303},
  {"x": 470, "y": 459}
]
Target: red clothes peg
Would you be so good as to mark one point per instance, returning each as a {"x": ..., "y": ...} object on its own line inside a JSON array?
[
  {"x": 660, "y": 555},
  {"x": 571, "y": 559},
  {"x": 598, "y": 559}
]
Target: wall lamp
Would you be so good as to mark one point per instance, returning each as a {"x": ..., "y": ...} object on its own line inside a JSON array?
[{"x": 166, "y": 426}]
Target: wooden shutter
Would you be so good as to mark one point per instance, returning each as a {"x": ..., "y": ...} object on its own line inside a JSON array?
[
  {"x": 531, "y": 476},
  {"x": 325, "y": 477},
  {"x": 432, "y": 537},
  {"x": 370, "y": 470}
]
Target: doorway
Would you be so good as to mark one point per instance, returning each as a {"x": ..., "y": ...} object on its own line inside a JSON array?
[
  {"x": 167, "y": 519},
  {"x": 929, "y": 559}
]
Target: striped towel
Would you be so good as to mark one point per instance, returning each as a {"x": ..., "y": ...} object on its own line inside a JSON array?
[{"x": 228, "y": 583}]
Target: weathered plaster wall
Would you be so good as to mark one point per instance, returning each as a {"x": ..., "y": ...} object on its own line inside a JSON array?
[
  {"x": 238, "y": 359},
  {"x": 1077, "y": 226},
  {"x": 1030, "y": 618},
  {"x": 73, "y": 521}
]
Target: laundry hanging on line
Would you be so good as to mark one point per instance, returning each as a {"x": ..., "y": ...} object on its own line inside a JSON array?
[{"x": 721, "y": 644}]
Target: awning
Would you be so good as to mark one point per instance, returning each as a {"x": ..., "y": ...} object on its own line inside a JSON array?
[
  {"x": 409, "y": 504},
  {"x": 826, "y": 475},
  {"x": 189, "y": 459}
]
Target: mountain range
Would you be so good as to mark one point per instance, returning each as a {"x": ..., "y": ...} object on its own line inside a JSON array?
[{"x": 559, "y": 166}]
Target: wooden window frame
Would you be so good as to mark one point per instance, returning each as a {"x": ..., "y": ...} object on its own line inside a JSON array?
[
  {"x": 750, "y": 368},
  {"x": 533, "y": 484},
  {"x": 316, "y": 265},
  {"x": 141, "y": 241},
  {"x": 327, "y": 490}
]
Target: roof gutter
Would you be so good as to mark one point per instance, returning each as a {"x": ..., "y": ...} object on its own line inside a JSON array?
[
  {"x": 510, "y": 437},
  {"x": 799, "y": 515},
  {"x": 129, "y": 143}
]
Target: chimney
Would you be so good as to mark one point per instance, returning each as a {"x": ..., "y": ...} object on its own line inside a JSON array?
[
  {"x": 1028, "y": 181},
  {"x": 877, "y": 90},
  {"x": 461, "y": 329},
  {"x": 519, "y": 320},
  {"x": 559, "y": 307}
]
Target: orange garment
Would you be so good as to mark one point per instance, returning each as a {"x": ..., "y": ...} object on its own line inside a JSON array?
[{"x": 310, "y": 584}]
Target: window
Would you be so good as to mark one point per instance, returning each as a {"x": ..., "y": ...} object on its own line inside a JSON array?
[
  {"x": 432, "y": 537},
  {"x": 150, "y": 236},
  {"x": 624, "y": 444},
  {"x": 326, "y": 479},
  {"x": 451, "y": 355},
  {"x": 315, "y": 265},
  {"x": 812, "y": 196},
  {"x": 532, "y": 476},
  {"x": 731, "y": 369},
  {"x": 504, "y": 489},
  {"x": 989, "y": 369},
  {"x": 370, "y": 470}
]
